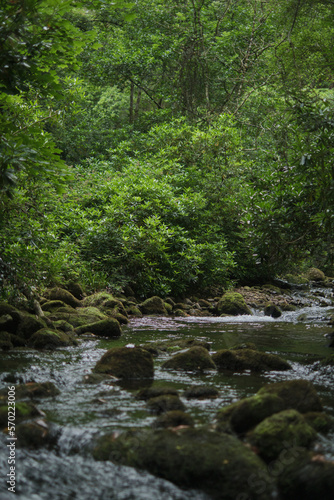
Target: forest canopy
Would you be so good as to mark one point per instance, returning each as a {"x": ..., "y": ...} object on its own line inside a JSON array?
[{"x": 170, "y": 146}]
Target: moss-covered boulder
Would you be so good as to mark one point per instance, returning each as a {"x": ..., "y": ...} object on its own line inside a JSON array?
[
  {"x": 233, "y": 304},
  {"x": 133, "y": 310},
  {"x": 191, "y": 458},
  {"x": 167, "y": 402},
  {"x": 179, "y": 313},
  {"x": 64, "y": 296},
  {"x": 105, "y": 328},
  {"x": 297, "y": 394},
  {"x": 174, "y": 418},
  {"x": 97, "y": 299},
  {"x": 49, "y": 339},
  {"x": 321, "y": 422},
  {"x": 272, "y": 310},
  {"x": 195, "y": 359},
  {"x": 75, "y": 289},
  {"x": 6, "y": 308},
  {"x": 7, "y": 323},
  {"x": 315, "y": 274},
  {"x": 78, "y": 317},
  {"x": 154, "y": 392},
  {"x": 307, "y": 477},
  {"x": 201, "y": 392},
  {"x": 249, "y": 412},
  {"x": 126, "y": 363},
  {"x": 23, "y": 411},
  {"x": 279, "y": 431},
  {"x": 52, "y": 305},
  {"x": 153, "y": 305},
  {"x": 36, "y": 390},
  {"x": 5, "y": 341},
  {"x": 28, "y": 324},
  {"x": 248, "y": 359}
]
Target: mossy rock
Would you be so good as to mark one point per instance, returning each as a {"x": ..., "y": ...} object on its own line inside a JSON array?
[
  {"x": 6, "y": 308},
  {"x": 122, "y": 320},
  {"x": 36, "y": 390},
  {"x": 23, "y": 411},
  {"x": 63, "y": 325},
  {"x": 195, "y": 359},
  {"x": 315, "y": 274},
  {"x": 79, "y": 317},
  {"x": 134, "y": 311},
  {"x": 52, "y": 305},
  {"x": 50, "y": 339},
  {"x": 64, "y": 296},
  {"x": 233, "y": 304},
  {"x": 106, "y": 328},
  {"x": 182, "y": 306},
  {"x": 272, "y": 310},
  {"x": 191, "y": 458},
  {"x": 168, "y": 307},
  {"x": 5, "y": 341},
  {"x": 167, "y": 402},
  {"x": 201, "y": 392},
  {"x": 279, "y": 431},
  {"x": 126, "y": 363},
  {"x": 154, "y": 392},
  {"x": 249, "y": 412},
  {"x": 307, "y": 477},
  {"x": 7, "y": 323},
  {"x": 75, "y": 289},
  {"x": 174, "y": 418},
  {"x": 297, "y": 394},
  {"x": 35, "y": 434},
  {"x": 97, "y": 299},
  {"x": 179, "y": 313},
  {"x": 297, "y": 280},
  {"x": 28, "y": 324},
  {"x": 153, "y": 305},
  {"x": 248, "y": 359},
  {"x": 321, "y": 422}
]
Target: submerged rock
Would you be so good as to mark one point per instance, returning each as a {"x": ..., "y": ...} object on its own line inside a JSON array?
[
  {"x": 126, "y": 363},
  {"x": 201, "y": 392},
  {"x": 162, "y": 404},
  {"x": 281, "y": 430},
  {"x": 153, "y": 392},
  {"x": 233, "y": 303},
  {"x": 297, "y": 394},
  {"x": 248, "y": 359},
  {"x": 192, "y": 458},
  {"x": 195, "y": 359}
]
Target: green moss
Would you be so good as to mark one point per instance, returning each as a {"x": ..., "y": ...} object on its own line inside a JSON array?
[
  {"x": 233, "y": 303},
  {"x": 163, "y": 403},
  {"x": 281, "y": 430},
  {"x": 153, "y": 305},
  {"x": 173, "y": 418},
  {"x": 97, "y": 299},
  {"x": 50, "y": 339},
  {"x": 272, "y": 310},
  {"x": 126, "y": 363},
  {"x": 105, "y": 328},
  {"x": 321, "y": 422},
  {"x": 248, "y": 359},
  {"x": 297, "y": 394},
  {"x": 64, "y": 296}
]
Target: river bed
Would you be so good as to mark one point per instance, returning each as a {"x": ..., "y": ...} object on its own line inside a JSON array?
[{"x": 82, "y": 412}]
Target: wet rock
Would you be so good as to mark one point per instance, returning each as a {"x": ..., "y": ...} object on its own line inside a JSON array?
[
  {"x": 153, "y": 392},
  {"x": 5, "y": 341},
  {"x": 233, "y": 303},
  {"x": 272, "y": 310},
  {"x": 105, "y": 328},
  {"x": 35, "y": 434},
  {"x": 126, "y": 363},
  {"x": 275, "y": 433},
  {"x": 201, "y": 392},
  {"x": 179, "y": 313},
  {"x": 195, "y": 359},
  {"x": 307, "y": 477},
  {"x": 23, "y": 411},
  {"x": 168, "y": 308},
  {"x": 78, "y": 317},
  {"x": 64, "y": 296},
  {"x": 153, "y": 305},
  {"x": 133, "y": 310},
  {"x": 248, "y": 359},
  {"x": 28, "y": 324},
  {"x": 167, "y": 402},
  {"x": 36, "y": 390},
  {"x": 175, "y": 418},
  {"x": 249, "y": 412},
  {"x": 192, "y": 458},
  {"x": 297, "y": 394},
  {"x": 50, "y": 339}
]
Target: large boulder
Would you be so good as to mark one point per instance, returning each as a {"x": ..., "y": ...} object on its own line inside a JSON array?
[
  {"x": 195, "y": 359},
  {"x": 126, "y": 363},
  {"x": 105, "y": 328},
  {"x": 248, "y": 359},
  {"x": 233, "y": 304},
  {"x": 173, "y": 418},
  {"x": 280, "y": 431},
  {"x": 153, "y": 305},
  {"x": 191, "y": 458},
  {"x": 315, "y": 274},
  {"x": 78, "y": 317},
  {"x": 162, "y": 404},
  {"x": 272, "y": 310},
  {"x": 297, "y": 394}
]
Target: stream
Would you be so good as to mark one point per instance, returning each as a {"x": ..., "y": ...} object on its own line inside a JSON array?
[{"x": 82, "y": 411}]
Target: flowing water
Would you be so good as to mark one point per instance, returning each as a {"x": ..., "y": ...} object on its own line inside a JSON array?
[{"x": 82, "y": 412}]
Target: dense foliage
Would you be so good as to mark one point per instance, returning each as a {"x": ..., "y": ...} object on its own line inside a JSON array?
[{"x": 170, "y": 146}]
